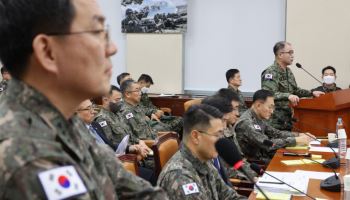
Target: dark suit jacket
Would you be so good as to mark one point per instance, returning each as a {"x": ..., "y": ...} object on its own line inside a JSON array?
[{"x": 96, "y": 126}]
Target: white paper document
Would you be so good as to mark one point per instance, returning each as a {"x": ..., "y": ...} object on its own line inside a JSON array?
[
  {"x": 299, "y": 181},
  {"x": 315, "y": 142},
  {"x": 315, "y": 175},
  {"x": 122, "y": 146},
  {"x": 322, "y": 149}
]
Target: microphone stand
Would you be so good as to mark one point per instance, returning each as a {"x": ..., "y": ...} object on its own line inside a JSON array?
[{"x": 301, "y": 67}]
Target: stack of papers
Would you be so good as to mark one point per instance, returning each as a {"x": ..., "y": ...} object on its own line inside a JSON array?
[
  {"x": 297, "y": 180},
  {"x": 274, "y": 196},
  {"x": 322, "y": 149},
  {"x": 302, "y": 161}
]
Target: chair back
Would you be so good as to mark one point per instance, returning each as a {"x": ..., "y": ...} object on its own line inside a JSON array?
[
  {"x": 191, "y": 102},
  {"x": 164, "y": 148},
  {"x": 130, "y": 163}
]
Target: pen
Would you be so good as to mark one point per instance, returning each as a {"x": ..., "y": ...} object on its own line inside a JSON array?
[{"x": 270, "y": 182}]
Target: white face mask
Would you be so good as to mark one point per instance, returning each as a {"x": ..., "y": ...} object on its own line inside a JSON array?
[
  {"x": 329, "y": 79},
  {"x": 145, "y": 90}
]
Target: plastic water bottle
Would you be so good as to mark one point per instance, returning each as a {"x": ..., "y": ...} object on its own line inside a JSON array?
[{"x": 341, "y": 138}]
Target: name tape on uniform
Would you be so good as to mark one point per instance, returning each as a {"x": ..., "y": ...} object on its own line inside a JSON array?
[
  {"x": 61, "y": 183},
  {"x": 190, "y": 188}
]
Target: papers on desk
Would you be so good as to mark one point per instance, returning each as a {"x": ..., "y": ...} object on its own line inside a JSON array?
[
  {"x": 269, "y": 184},
  {"x": 315, "y": 175},
  {"x": 298, "y": 148},
  {"x": 274, "y": 196},
  {"x": 315, "y": 142},
  {"x": 302, "y": 161},
  {"x": 323, "y": 149}
]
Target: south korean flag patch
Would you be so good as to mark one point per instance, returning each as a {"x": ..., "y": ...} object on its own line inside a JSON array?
[
  {"x": 257, "y": 127},
  {"x": 61, "y": 183},
  {"x": 268, "y": 76},
  {"x": 129, "y": 116},
  {"x": 103, "y": 123},
  {"x": 190, "y": 188}
]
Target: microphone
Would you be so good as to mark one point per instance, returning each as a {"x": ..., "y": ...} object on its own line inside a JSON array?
[
  {"x": 228, "y": 151},
  {"x": 301, "y": 67},
  {"x": 258, "y": 170},
  {"x": 333, "y": 163}
]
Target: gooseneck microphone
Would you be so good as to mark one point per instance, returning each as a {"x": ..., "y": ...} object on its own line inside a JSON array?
[
  {"x": 301, "y": 67},
  {"x": 258, "y": 170},
  {"x": 228, "y": 151},
  {"x": 334, "y": 162}
]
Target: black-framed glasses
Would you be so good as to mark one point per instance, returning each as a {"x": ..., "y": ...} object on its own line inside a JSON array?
[
  {"x": 291, "y": 52},
  {"x": 104, "y": 31},
  {"x": 220, "y": 134}
]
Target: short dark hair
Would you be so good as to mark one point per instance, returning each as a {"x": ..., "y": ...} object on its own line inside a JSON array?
[
  {"x": 121, "y": 76},
  {"x": 147, "y": 78},
  {"x": 228, "y": 94},
  {"x": 198, "y": 117},
  {"x": 329, "y": 67},
  {"x": 126, "y": 85},
  {"x": 4, "y": 70},
  {"x": 262, "y": 95},
  {"x": 279, "y": 46},
  {"x": 231, "y": 73},
  {"x": 22, "y": 20},
  {"x": 113, "y": 88},
  {"x": 219, "y": 102}
]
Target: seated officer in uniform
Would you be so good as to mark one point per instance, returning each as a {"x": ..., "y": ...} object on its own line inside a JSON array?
[
  {"x": 190, "y": 174},
  {"x": 175, "y": 123},
  {"x": 58, "y": 53},
  {"x": 123, "y": 77},
  {"x": 234, "y": 81},
  {"x": 254, "y": 133},
  {"x": 328, "y": 76}
]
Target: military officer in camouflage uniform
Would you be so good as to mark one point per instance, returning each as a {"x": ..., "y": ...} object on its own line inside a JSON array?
[
  {"x": 258, "y": 140},
  {"x": 328, "y": 76},
  {"x": 5, "y": 78},
  {"x": 46, "y": 152},
  {"x": 229, "y": 132},
  {"x": 279, "y": 79},
  {"x": 234, "y": 81},
  {"x": 190, "y": 174},
  {"x": 175, "y": 123}
]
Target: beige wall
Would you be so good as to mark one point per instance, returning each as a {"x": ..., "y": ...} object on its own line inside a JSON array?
[
  {"x": 160, "y": 56},
  {"x": 319, "y": 31}
]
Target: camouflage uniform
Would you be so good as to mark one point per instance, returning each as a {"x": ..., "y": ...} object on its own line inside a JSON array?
[
  {"x": 242, "y": 106},
  {"x": 35, "y": 137},
  {"x": 282, "y": 83},
  {"x": 230, "y": 134},
  {"x": 251, "y": 133},
  {"x": 136, "y": 119},
  {"x": 113, "y": 126},
  {"x": 174, "y": 123},
  {"x": 325, "y": 89},
  {"x": 3, "y": 86},
  {"x": 183, "y": 170}
]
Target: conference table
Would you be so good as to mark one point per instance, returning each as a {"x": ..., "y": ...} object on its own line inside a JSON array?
[{"x": 314, "y": 189}]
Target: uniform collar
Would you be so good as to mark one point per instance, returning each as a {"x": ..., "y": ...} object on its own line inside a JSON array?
[
  {"x": 200, "y": 167},
  {"x": 31, "y": 99}
]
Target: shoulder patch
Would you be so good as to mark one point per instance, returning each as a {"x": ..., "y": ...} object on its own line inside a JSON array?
[
  {"x": 103, "y": 123},
  {"x": 268, "y": 76},
  {"x": 61, "y": 183},
  {"x": 257, "y": 127},
  {"x": 190, "y": 188},
  {"x": 129, "y": 115}
]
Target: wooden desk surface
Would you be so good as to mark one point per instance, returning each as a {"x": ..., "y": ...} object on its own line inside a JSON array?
[{"x": 314, "y": 189}]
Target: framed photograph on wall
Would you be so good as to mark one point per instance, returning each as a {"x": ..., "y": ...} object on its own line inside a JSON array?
[{"x": 154, "y": 16}]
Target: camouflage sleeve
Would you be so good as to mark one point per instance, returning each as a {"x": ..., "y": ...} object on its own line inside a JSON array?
[
  {"x": 302, "y": 92},
  {"x": 280, "y": 138},
  {"x": 246, "y": 130},
  {"x": 139, "y": 127},
  {"x": 148, "y": 110},
  {"x": 270, "y": 82},
  {"x": 224, "y": 191}
]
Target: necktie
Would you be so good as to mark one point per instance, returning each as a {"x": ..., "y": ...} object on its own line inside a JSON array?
[{"x": 96, "y": 135}]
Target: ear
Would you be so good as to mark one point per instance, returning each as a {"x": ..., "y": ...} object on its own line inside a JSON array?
[
  {"x": 43, "y": 52},
  {"x": 195, "y": 136}
]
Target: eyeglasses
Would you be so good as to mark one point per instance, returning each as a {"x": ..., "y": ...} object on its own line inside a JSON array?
[
  {"x": 291, "y": 52},
  {"x": 89, "y": 108},
  {"x": 219, "y": 135},
  {"x": 104, "y": 31}
]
